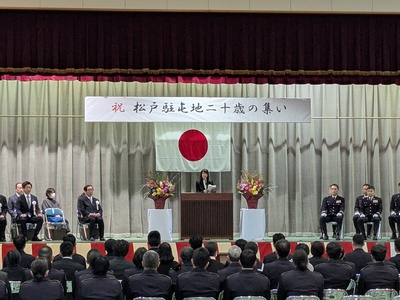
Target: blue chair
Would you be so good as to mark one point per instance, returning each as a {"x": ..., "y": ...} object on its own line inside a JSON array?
[{"x": 54, "y": 224}]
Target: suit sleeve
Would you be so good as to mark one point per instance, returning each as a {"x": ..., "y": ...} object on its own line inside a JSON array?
[
  {"x": 323, "y": 206},
  {"x": 81, "y": 207},
  {"x": 4, "y": 206}
]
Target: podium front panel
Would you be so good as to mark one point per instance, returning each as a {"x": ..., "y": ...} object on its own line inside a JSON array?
[
  {"x": 161, "y": 220},
  {"x": 207, "y": 214}
]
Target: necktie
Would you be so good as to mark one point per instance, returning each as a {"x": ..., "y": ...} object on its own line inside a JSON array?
[{"x": 28, "y": 200}]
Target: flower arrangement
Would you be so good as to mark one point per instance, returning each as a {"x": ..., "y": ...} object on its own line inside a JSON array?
[
  {"x": 159, "y": 186},
  {"x": 251, "y": 183}
]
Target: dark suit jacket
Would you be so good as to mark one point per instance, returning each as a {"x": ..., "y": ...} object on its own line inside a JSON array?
[
  {"x": 12, "y": 206},
  {"x": 75, "y": 257},
  {"x": 41, "y": 290},
  {"x": 200, "y": 186},
  {"x": 128, "y": 273},
  {"x": 232, "y": 268},
  {"x": 396, "y": 260},
  {"x": 359, "y": 257},
  {"x": 26, "y": 260},
  {"x": 275, "y": 269},
  {"x": 247, "y": 283},
  {"x": 85, "y": 207},
  {"x": 100, "y": 287},
  {"x": 214, "y": 266},
  {"x": 197, "y": 283},
  {"x": 315, "y": 260},
  {"x": 118, "y": 265},
  {"x": 54, "y": 274},
  {"x": 149, "y": 284},
  {"x": 296, "y": 283},
  {"x": 4, "y": 207},
  {"x": 177, "y": 270},
  {"x": 378, "y": 276},
  {"x": 23, "y": 208},
  {"x": 68, "y": 266},
  {"x": 164, "y": 268},
  {"x": 269, "y": 258},
  {"x": 336, "y": 275}
]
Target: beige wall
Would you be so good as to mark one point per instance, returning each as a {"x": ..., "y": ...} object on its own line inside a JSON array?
[{"x": 274, "y": 6}]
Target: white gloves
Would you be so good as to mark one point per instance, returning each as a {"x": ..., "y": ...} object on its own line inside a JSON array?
[
  {"x": 392, "y": 213},
  {"x": 323, "y": 215},
  {"x": 357, "y": 214},
  {"x": 362, "y": 216},
  {"x": 375, "y": 216},
  {"x": 339, "y": 215}
]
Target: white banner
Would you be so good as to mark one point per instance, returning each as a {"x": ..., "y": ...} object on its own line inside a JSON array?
[
  {"x": 191, "y": 147},
  {"x": 197, "y": 109}
]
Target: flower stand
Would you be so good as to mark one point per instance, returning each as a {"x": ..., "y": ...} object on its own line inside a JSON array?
[{"x": 159, "y": 202}]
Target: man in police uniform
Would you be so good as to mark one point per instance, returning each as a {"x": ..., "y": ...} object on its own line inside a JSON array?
[
  {"x": 370, "y": 211},
  {"x": 395, "y": 213},
  {"x": 332, "y": 210},
  {"x": 357, "y": 206}
]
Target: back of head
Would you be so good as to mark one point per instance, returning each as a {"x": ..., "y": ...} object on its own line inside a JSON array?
[
  {"x": 39, "y": 267},
  {"x": 151, "y": 260},
  {"x": 70, "y": 238},
  {"x": 19, "y": 242},
  {"x": 165, "y": 252},
  {"x": 196, "y": 241},
  {"x": 241, "y": 243},
  {"x": 45, "y": 252},
  {"x": 154, "y": 238},
  {"x": 334, "y": 250},
  {"x": 13, "y": 258},
  {"x": 234, "y": 253},
  {"x": 358, "y": 240},
  {"x": 302, "y": 246},
  {"x": 300, "y": 259},
  {"x": 138, "y": 256},
  {"x": 248, "y": 258},
  {"x": 277, "y": 236},
  {"x": 282, "y": 247},
  {"x": 66, "y": 249},
  {"x": 100, "y": 265},
  {"x": 109, "y": 245},
  {"x": 201, "y": 257},
  {"x": 378, "y": 251},
  {"x": 317, "y": 249},
  {"x": 121, "y": 248},
  {"x": 186, "y": 254},
  {"x": 252, "y": 246},
  {"x": 397, "y": 244},
  {"x": 91, "y": 255},
  {"x": 212, "y": 248}
]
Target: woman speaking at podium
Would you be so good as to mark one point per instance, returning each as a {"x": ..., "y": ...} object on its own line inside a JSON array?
[{"x": 204, "y": 185}]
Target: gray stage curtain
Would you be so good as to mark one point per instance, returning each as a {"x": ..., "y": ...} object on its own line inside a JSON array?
[{"x": 353, "y": 138}]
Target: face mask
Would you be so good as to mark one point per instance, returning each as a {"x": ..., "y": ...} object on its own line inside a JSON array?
[{"x": 53, "y": 195}]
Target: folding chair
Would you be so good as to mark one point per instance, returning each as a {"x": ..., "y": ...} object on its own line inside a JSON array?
[
  {"x": 358, "y": 297},
  {"x": 378, "y": 235},
  {"x": 382, "y": 294},
  {"x": 84, "y": 230},
  {"x": 334, "y": 294},
  {"x": 249, "y": 298},
  {"x": 54, "y": 224},
  {"x": 303, "y": 297}
]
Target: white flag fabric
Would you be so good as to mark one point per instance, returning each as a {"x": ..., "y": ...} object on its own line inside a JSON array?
[{"x": 191, "y": 147}]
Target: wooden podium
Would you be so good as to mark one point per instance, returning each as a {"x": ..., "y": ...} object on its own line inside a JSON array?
[{"x": 207, "y": 214}]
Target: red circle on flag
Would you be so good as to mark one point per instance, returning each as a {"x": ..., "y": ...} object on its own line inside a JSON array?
[{"x": 193, "y": 145}]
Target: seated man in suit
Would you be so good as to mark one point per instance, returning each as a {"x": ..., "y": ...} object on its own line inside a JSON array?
[
  {"x": 233, "y": 267},
  {"x": 119, "y": 264},
  {"x": 371, "y": 210},
  {"x": 90, "y": 211},
  {"x": 332, "y": 209},
  {"x": 149, "y": 283},
  {"x": 28, "y": 211}
]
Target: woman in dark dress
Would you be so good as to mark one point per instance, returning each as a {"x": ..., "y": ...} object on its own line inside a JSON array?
[{"x": 204, "y": 181}]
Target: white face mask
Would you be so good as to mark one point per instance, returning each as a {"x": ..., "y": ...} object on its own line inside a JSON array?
[{"x": 53, "y": 195}]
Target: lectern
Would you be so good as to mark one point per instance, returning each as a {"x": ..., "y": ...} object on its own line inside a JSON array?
[{"x": 207, "y": 214}]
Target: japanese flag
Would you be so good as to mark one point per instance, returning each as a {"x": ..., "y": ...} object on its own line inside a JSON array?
[{"x": 190, "y": 147}]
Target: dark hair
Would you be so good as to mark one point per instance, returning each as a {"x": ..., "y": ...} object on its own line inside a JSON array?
[
  {"x": 371, "y": 187},
  {"x": 334, "y": 184},
  {"x": 13, "y": 258},
  {"x": 66, "y": 249},
  {"x": 186, "y": 254},
  {"x": 397, "y": 244},
  {"x": 138, "y": 256},
  {"x": 39, "y": 268},
  {"x": 70, "y": 238},
  {"x": 201, "y": 257},
  {"x": 19, "y": 242},
  {"x": 86, "y": 187},
  {"x": 196, "y": 241},
  {"x": 109, "y": 245},
  {"x": 317, "y": 249},
  {"x": 212, "y": 248},
  {"x": 378, "y": 251},
  {"x": 49, "y": 191},
  {"x": 248, "y": 258},
  {"x": 45, "y": 252},
  {"x": 154, "y": 238},
  {"x": 282, "y": 247},
  {"x": 241, "y": 243},
  {"x": 334, "y": 250},
  {"x": 25, "y": 183},
  {"x": 121, "y": 248},
  {"x": 165, "y": 253},
  {"x": 100, "y": 265},
  {"x": 151, "y": 260},
  {"x": 304, "y": 247},
  {"x": 358, "y": 239},
  {"x": 201, "y": 173},
  {"x": 300, "y": 259},
  {"x": 252, "y": 246},
  {"x": 91, "y": 255},
  {"x": 277, "y": 236}
]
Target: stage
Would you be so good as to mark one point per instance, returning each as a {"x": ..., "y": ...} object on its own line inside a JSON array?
[{"x": 265, "y": 246}]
